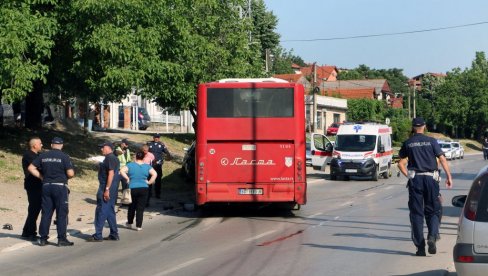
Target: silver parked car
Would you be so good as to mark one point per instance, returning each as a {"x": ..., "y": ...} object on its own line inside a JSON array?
[
  {"x": 471, "y": 249},
  {"x": 448, "y": 150},
  {"x": 458, "y": 150}
]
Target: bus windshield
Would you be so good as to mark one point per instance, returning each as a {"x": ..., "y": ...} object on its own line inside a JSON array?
[
  {"x": 354, "y": 142},
  {"x": 250, "y": 102}
]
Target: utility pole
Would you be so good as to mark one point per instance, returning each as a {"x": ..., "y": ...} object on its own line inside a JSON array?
[
  {"x": 414, "y": 108},
  {"x": 314, "y": 94},
  {"x": 409, "y": 104},
  {"x": 246, "y": 12}
]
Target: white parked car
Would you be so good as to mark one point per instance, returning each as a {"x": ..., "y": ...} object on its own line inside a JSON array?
[
  {"x": 458, "y": 149},
  {"x": 471, "y": 250},
  {"x": 448, "y": 150}
]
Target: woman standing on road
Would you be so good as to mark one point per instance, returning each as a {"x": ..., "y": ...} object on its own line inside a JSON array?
[{"x": 136, "y": 173}]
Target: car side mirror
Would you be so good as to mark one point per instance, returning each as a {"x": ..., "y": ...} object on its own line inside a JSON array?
[
  {"x": 459, "y": 200},
  {"x": 329, "y": 147},
  {"x": 382, "y": 149}
]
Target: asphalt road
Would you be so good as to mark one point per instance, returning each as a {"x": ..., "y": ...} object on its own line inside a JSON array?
[{"x": 356, "y": 227}]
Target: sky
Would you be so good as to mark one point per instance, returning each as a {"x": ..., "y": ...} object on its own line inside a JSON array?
[{"x": 416, "y": 53}]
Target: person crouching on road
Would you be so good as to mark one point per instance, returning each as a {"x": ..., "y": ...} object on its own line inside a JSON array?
[
  {"x": 54, "y": 168},
  {"x": 108, "y": 177},
  {"x": 136, "y": 174},
  {"x": 423, "y": 190}
]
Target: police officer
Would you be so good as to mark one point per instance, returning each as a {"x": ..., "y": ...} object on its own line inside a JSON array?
[
  {"x": 421, "y": 152},
  {"x": 108, "y": 177},
  {"x": 158, "y": 149},
  {"x": 33, "y": 187},
  {"x": 54, "y": 168}
]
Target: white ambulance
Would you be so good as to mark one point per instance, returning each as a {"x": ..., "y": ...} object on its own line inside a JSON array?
[{"x": 363, "y": 150}]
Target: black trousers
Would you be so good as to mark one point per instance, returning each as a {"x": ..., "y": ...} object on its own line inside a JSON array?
[
  {"x": 157, "y": 184},
  {"x": 136, "y": 208},
  {"x": 34, "y": 197}
]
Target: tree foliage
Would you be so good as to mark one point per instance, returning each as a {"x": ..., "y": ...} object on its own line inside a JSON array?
[{"x": 26, "y": 32}]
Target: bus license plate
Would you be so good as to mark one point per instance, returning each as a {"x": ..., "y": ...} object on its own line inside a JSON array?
[
  {"x": 351, "y": 170},
  {"x": 243, "y": 191}
]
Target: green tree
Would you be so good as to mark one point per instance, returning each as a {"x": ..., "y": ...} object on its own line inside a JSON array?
[
  {"x": 365, "y": 110},
  {"x": 26, "y": 31}
]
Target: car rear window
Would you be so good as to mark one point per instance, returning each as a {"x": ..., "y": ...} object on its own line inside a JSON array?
[{"x": 477, "y": 202}]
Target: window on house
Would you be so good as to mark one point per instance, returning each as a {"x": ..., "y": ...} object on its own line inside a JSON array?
[{"x": 337, "y": 118}]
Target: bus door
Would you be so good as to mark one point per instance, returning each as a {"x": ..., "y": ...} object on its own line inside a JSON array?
[{"x": 321, "y": 149}]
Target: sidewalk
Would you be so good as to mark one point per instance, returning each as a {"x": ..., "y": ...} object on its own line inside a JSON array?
[{"x": 13, "y": 210}]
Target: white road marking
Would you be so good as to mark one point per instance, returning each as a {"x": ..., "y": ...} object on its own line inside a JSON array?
[
  {"x": 336, "y": 218},
  {"x": 314, "y": 215},
  {"x": 180, "y": 266},
  {"x": 371, "y": 194},
  {"x": 259, "y": 236},
  {"x": 346, "y": 203}
]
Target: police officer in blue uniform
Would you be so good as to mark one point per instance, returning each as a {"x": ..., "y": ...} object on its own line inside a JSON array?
[
  {"x": 418, "y": 163},
  {"x": 54, "y": 168},
  {"x": 158, "y": 149},
  {"x": 108, "y": 177}
]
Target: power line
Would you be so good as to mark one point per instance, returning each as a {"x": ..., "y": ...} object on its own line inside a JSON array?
[{"x": 386, "y": 34}]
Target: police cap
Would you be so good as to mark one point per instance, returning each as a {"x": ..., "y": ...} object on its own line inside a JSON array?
[
  {"x": 418, "y": 121},
  {"x": 157, "y": 135},
  {"x": 57, "y": 140},
  {"x": 108, "y": 144}
]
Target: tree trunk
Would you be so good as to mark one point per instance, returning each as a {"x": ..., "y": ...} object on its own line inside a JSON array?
[
  {"x": 33, "y": 107},
  {"x": 1, "y": 108}
]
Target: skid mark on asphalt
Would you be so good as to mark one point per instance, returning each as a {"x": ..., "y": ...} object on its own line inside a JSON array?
[
  {"x": 260, "y": 236},
  {"x": 281, "y": 238},
  {"x": 182, "y": 231}
]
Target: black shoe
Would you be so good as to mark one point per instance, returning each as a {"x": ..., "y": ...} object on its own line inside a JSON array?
[
  {"x": 420, "y": 252},
  {"x": 65, "y": 242},
  {"x": 431, "y": 243},
  {"x": 93, "y": 239},
  {"x": 111, "y": 238},
  {"x": 42, "y": 242}
]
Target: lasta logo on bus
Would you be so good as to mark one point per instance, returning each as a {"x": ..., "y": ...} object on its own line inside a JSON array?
[{"x": 243, "y": 162}]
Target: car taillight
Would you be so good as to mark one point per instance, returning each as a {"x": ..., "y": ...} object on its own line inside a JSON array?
[
  {"x": 465, "y": 259},
  {"x": 336, "y": 154},
  {"x": 141, "y": 116},
  {"x": 471, "y": 205}
]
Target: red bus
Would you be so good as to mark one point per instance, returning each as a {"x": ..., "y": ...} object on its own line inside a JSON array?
[{"x": 250, "y": 144}]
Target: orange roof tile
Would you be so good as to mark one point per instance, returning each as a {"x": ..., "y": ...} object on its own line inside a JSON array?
[{"x": 362, "y": 93}]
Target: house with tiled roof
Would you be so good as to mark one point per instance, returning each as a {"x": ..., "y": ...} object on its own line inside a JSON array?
[
  {"x": 295, "y": 78},
  {"x": 378, "y": 89},
  {"x": 324, "y": 73},
  {"x": 417, "y": 80},
  {"x": 328, "y": 109}
]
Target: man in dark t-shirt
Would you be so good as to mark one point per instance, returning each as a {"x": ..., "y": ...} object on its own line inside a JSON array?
[
  {"x": 33, "y": 187},
  {"x": 108, "y": 177}
]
